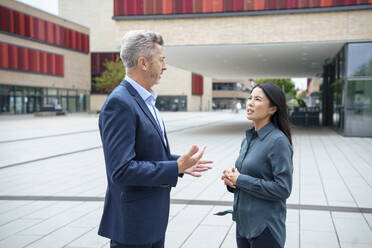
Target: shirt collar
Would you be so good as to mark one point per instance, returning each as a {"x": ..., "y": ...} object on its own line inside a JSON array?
[
  {"x": 262, "y": 132},
  {"x": 145, "y": 95}
]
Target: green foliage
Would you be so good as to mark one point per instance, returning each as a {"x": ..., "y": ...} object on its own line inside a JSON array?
[
  {"x": 285, "y": 83},
  {"x": 110, "y": 78}
]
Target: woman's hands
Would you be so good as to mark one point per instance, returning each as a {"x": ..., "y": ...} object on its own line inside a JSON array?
[{"x": 230, "y": 177}]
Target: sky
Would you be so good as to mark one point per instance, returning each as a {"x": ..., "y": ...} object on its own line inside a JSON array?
[{"x": 51, "y": 6}]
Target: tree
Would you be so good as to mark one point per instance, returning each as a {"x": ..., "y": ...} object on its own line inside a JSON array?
[
  {"x": 284, "y": 83},
  {"x": 111, "y": 77}
]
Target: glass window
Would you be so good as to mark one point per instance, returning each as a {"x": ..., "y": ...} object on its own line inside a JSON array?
[
  {"x": 359, "y": 108},
  {"x": 359, "y": 63},
  {"x": 171, "y": 103}
]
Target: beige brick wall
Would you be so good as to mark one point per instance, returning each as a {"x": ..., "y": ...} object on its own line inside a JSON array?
[
  {"x": 303, "y": 27},
  {"x": 96, "y": 102}
]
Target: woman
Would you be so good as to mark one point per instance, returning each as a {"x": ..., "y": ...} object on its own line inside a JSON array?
[{"x": 262, "y": 178}]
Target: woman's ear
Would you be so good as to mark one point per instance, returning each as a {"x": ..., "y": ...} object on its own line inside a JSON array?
[{"x": 273, "y": 110}]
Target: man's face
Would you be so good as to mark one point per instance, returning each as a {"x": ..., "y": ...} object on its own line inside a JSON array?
[{"x": 157, "y": 66}]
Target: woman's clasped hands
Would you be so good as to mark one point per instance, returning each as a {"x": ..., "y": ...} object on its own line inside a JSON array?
[{"x": 230, "y": 177}]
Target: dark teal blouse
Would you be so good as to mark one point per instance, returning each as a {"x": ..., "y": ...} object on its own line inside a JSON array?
[{"x": 264, "y": 183}]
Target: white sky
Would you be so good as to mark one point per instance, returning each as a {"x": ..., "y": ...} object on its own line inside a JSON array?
[
  {"x": 300, "y": 83},
  {"x": 51, "y": 6}
]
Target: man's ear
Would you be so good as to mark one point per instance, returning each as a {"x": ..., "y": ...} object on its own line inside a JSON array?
[{"x": 142, "y": 63}]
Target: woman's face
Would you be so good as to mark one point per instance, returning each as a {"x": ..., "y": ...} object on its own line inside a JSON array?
[{"x": 258, "y": 106}]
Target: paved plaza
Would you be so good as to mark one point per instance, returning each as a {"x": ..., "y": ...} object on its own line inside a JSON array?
[{"x": 52, "y": 184}]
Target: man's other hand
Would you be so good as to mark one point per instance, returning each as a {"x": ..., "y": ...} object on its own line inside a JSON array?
[
  {"x": 199, "y": 167},
  {"x": 190, "y": 159}
]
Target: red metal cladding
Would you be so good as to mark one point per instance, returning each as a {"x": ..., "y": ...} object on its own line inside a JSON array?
[
  {"x": 30, "y": 60},
  {"x": 165, "y": 7},
  {"x": 19, "y": 23},
  {"x": 197, "y": 84}
]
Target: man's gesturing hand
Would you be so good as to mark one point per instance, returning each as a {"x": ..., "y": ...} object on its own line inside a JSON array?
[{"x": 190, "y": 159}]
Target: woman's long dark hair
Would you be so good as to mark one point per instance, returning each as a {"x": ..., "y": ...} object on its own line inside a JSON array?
[{"x": 277, "y": 98}]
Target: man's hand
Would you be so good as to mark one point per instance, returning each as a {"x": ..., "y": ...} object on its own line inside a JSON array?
[
  {"x": 190, "y": 159},
  {"x": 199, "y": 167}
]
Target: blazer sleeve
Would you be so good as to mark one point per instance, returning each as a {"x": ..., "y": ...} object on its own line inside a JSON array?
[
  {"x": 279, "y": 188},
  {"x": 118, "y": 134}
]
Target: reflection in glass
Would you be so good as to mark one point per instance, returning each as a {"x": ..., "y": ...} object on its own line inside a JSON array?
[
  {"x": 359, "y": 108},
  {"x": 359, "y": 60}
]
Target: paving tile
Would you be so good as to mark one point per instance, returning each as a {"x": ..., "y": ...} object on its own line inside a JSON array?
[
  {"x": 89, "y": 239},
  {"x": 318, "y": 239},
  {"x": 18, "y": 241},
  {"x": 59, "y": 238},
  {"x": 329, "y": 169},
  {"x": 201, "y": 237}
]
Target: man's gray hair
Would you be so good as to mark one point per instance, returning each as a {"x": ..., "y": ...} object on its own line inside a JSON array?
[{"x": 138, "y": 43}]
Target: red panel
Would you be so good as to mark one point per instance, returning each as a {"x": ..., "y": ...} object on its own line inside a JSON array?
[
  {"x": 217, "y": 5},
  {"x": 4, "y": 18},
  {"x": 197, "y": 84},
  {"x": 31, "y": 58},
  {"x": 21, "y": 17},
  {"x": 158, "y": 7},
  {"x": 62, "y": 65},
  {"x": 139, "y": 7},
  {"x": 50, "y": 33},
  {"x": 37, "y": 61},
  {"x": 4, "y": 56},
  {"x": 13, "y": 57},
  {"x": 42, "y": 62},
  {"x": 291, "y": 4},
  {"x": 27, "y": 26},
  {"x": 147, "y": 7},
  {"x": 227, "y": 5},
  {"x": 120, "y": 7},
  {"x": 16, "y": 22},
  {"x": 11, "y": 18},
  {"x": 238, "y": 5},
  {"x": 53, "y": 57},
  {"x": 167, "y": 7},
  {"x": 49, "y": 63},
  {"x": 46, "y": 30},
  {"x": 74, "y": 39},
  {"x": 45, "y": 62},
  {"x": 197, "y": 6},
  {"x": 115, "y": 7},
  {"x": 248, "y": 5},
  {"x": 41, "y": 30},
  {"x": 177, "y": 6},
  {"x": 62, "y": 36},
  {"x": 67, "y": 37},
  {"x": 58, "y": 65},
  {"x": 281, "y": 4},
  {"x": 21, "y": 60},
  {"x": 207, "y": 6}
]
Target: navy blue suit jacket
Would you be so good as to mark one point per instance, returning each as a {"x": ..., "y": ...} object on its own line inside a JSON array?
[{"x": 140, "y": 170}]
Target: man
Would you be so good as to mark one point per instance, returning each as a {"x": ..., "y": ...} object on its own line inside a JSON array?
[{"x": 140, "y": 168}]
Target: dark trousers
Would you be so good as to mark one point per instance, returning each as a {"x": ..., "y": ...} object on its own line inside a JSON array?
[
  {"x": 159, "y": 244},
  {"x": 264, "y": 240}
]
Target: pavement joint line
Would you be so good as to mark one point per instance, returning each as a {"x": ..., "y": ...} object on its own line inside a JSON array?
[
  {"x": 185, "y": 202},
  {"x": 48, "y": 136},
  {"x": 94, "y": 130},
  {"x": 96, "y": 147},
  {"x": 48, "y": 157}
]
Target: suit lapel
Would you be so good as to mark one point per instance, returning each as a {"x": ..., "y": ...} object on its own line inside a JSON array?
[{"x": 145, "y": 109}]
